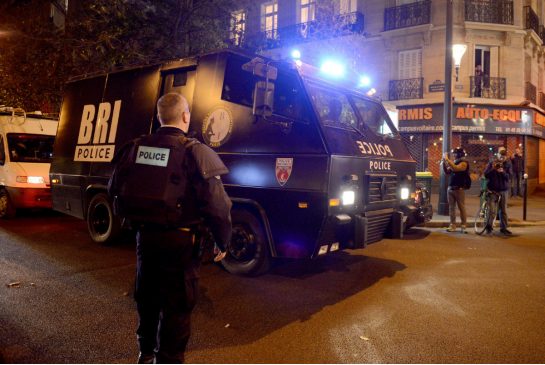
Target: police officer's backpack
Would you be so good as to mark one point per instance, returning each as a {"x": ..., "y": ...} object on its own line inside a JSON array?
[{"x": 149, "y": 183}]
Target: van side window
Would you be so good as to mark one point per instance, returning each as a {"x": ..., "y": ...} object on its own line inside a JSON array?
[
  {"x": 2, "y": 151},
  {"x": 289, "y": 97},
  {"x": 238, "y": 85}
]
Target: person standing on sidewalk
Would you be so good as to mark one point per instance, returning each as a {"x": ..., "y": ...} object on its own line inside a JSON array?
[
  {"x": 498, "y": 173},
  {"x": 458, "y": 170},
  {"x": 517, "y": 161}
]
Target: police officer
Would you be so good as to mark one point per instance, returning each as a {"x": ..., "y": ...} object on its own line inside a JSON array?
[
  {"x": 459, "y": 172},
  {"x": 166, "y": 279}
]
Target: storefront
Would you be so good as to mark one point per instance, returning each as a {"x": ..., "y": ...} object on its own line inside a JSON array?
[{"x": 480, "y": 130}]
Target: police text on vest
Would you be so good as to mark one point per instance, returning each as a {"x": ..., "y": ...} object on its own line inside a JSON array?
[{"x": 154, "y": 156}]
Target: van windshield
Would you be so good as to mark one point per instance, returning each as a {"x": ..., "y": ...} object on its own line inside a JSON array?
[
  {"x": 335, "y": 109},
  {"x": 30, "y": 147}
]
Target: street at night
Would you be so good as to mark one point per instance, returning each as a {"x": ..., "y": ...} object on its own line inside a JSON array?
[{"x": 430, "y": 297}]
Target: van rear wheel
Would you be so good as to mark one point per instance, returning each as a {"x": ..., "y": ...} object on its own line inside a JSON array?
[
  {"x": 248, "y": 252},
  {"x": 102, "y": 224},
  {"x": 7, "y": 209}
]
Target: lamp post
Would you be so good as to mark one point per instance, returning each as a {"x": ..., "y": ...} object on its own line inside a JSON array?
[{"x": 452, "y": 52}]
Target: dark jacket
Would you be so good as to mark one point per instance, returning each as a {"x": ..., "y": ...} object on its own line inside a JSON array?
[
  {"x": 518, "y": 162},
  {"x": 457, "y": 169},
  {"x": 205, "y": 195},
  {"x": 498, "y": 181}
]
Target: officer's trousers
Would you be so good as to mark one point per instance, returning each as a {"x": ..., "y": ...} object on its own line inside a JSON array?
[{"x": 166, "y": 292}]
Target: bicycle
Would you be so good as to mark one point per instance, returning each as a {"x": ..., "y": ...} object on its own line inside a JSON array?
[{"x": 483, "y": 213}]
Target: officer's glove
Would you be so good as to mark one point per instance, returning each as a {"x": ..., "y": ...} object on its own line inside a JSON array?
[{"x": 219, "y": 254}]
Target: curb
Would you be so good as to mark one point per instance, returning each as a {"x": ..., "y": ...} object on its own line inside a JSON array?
[{"x": 444, "y": 224}]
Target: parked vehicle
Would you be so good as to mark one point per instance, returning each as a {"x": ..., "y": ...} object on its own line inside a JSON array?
[
  {"x": 315, "y": 165},
  {"x": 26, "y": 151}
]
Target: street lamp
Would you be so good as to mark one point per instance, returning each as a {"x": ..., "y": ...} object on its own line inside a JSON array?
[{"x": 458, "y": 51}]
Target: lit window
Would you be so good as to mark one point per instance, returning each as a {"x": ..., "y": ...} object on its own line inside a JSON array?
[
  {"x": 307, "y": 11},
  {"x": 238, "y": 26},
  {"x": 269, "y": 18},
  {"x": 347, "y": 6}
]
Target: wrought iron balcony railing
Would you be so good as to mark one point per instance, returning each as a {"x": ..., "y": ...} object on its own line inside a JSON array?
[
  {"x": 489, "y": 11},
  {"x": 408, "y": 15},
  {"x": 340, "y": 25},
  {"x": 406, "y": 89},
  {"x": 531, "y": 19},
  {"x": 541, "y": 100},
  {"x": 530, "y": 92},
  {"x": 487, "y": 87}
]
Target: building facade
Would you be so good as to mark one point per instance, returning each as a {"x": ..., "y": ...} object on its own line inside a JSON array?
[{"x": 498, "y": 90}]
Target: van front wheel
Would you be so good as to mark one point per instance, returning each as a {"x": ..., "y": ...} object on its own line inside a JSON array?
[
  {"x": 248, "y": 252},
  {"x": 103, "y": 226},
  {"x": 7, "y": 210}
]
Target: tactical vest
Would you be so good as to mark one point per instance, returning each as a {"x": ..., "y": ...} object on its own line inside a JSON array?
[
  {"x": 152, "y": 181},
  {"x": 458, "y": 179}
]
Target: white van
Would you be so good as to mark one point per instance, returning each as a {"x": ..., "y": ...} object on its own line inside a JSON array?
[{"x": 26, "y": 150}]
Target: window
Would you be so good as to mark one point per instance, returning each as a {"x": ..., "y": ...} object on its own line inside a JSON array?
[
  {"x": 347, "y": 6},
  {"x": 2, "y": 151},
  {"x": 307, "y": 11},
  {"x": 30, "y": 147},
  {"x": 269, "y": 18},
  {"x": 238, "y": 26},
  {"x": 410, "y": 64},
  {"x": 333, "y": 108},
  {"x": 374, "y": 117},
  {"x": 289, "y": 98}
]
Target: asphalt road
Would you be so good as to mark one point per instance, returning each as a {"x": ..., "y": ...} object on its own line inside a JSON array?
[{"x": 431, "y": 297}]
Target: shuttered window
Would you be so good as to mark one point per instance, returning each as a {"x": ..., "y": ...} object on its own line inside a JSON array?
[{"x": 410, "y": 64}]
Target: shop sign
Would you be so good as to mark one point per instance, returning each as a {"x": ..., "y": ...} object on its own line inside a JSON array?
[
  {"x": 436, "y": 86},
  {"x": 469, "y": 118}
]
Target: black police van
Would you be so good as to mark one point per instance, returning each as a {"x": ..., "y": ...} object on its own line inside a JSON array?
[{"x": 315, "y": 165}]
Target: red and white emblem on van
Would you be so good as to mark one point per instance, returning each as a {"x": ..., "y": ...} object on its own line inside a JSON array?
[{"x": 283, "y": 170}]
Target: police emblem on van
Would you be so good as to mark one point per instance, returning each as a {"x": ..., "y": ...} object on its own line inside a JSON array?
[
  {"x": 154, "y": 156},
  {"x": 217, "y": 127},
  {"x": 283, "y": 170},
  {"x": 96, "y": 142}
]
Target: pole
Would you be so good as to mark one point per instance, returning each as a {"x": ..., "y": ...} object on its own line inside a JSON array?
[
  {"x": 442, "y": 207},
  {"x": 525, "y": 179}
]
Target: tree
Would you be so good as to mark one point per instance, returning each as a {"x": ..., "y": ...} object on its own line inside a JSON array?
[{"x": 36, "y": 58}]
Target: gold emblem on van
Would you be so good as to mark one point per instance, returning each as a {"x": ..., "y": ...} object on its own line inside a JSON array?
[{"x": 217, "y": 127}]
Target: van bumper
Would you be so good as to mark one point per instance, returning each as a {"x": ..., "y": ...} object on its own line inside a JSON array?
[{"x": 30, "y": 197}]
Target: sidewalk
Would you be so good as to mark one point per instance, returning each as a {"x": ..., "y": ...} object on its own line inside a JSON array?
[{"x": 535, "y": 211}]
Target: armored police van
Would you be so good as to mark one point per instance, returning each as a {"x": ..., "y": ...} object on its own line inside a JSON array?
[
  {"x": 315, "y": 165},
  {"x": 26, "y": 151}
]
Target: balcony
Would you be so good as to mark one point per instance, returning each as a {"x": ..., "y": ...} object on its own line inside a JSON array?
[
  {"x": 408, "y": 15},
  {"x": 489, "y": 11},
  {"x": 406, "y": 89},
  {"x": 339, "y": 25},
  {"x": 487, "y": 87},
  {"x": 531, "y": 20},
  {"x": 530, "y": 92}
]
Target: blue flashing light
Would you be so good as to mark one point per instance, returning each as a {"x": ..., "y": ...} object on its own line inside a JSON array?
[
  {"x": 333, "y": 68},
  {"x": 296, "y": 54},
  {"x": 365, "y": 81}
]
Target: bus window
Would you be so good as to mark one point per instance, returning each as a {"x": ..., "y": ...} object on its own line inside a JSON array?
[
  {"x": 238, "y": 85},
  {"x": 374, "y": 117},
  {"x": 333, "y": 108}
]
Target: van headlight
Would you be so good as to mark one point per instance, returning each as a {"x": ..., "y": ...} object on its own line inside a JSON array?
[
  {"x": 348, "y": 197},
  {"x": 405, "y": 193}
]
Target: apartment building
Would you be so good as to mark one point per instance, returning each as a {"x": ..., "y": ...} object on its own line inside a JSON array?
[{"x": 498, "y": 89}]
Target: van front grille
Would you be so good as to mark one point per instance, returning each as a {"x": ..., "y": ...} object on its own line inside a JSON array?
[{"x": 382, "y": 188}]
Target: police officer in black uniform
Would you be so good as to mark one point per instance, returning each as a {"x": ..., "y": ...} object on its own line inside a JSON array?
[{"x": 167, "y": 263}]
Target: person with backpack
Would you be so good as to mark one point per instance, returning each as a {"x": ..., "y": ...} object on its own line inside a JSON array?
[
  {"x": 498, "y": 172},
  {"x": 166, "y": 185},
  {"x": 459, "y": 181}
]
